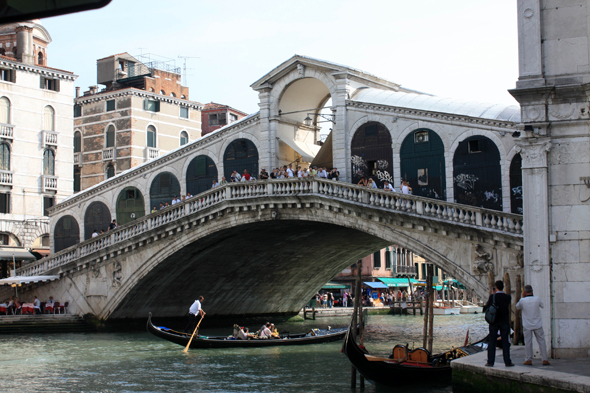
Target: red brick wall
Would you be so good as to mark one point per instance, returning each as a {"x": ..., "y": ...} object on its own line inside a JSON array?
[{"x": 168, "y": 82}]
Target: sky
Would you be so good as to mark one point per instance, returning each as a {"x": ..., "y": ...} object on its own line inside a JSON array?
[{"x": 453, "y": 48}]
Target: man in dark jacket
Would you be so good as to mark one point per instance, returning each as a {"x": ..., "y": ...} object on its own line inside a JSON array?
[{"x": 501, "y": 324}]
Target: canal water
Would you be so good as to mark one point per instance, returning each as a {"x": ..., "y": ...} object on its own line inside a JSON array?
[{"x": 140, "y": 362}]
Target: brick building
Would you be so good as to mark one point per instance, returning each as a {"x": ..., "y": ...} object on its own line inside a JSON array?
[
  {"x": 143, "y": 111},
  {"x": 214, "y": 116}
]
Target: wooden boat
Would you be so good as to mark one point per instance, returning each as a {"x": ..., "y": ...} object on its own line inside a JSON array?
[
  {"x": 318, "y": 336},
  {"x": 406, "y": 366}
]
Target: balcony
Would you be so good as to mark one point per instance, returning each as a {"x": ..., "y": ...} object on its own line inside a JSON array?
[
  {"x": 49, "y": 183},
  {"x": 49, "y": 138},
  {"x": 109, "y": 154},
  {"x": 5, "y": 178},
  {"x": 151, "y": 153},
  {"x": 405, "y": 270},
  {"x": 78, "y": 159},
  {"x": 6, "y": 131}
]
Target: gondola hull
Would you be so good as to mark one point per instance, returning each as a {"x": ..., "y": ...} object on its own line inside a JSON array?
[{"x": 181, "y": 338}]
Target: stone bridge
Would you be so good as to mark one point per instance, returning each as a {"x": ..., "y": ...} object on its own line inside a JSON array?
[{"x": 265, "y": 247}]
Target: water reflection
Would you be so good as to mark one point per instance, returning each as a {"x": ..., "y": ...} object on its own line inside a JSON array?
[{"x": 139, "y": 362}]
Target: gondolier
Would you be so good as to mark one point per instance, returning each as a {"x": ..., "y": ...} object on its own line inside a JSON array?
[{"x": 195, "y": 313}]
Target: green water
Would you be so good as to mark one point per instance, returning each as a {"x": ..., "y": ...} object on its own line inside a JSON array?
[{"x": 140, "y": 362}]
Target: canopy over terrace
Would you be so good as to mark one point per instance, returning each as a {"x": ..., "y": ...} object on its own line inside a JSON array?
[
  {"x": 398, "y": 282},
  {"x": 19, "y": 280},
  {"x": 335, "y": 285}
]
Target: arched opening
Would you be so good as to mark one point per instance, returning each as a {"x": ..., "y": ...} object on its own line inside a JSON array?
[
  {"x": 162, "y": 92},
  {"x": 300, "y": 108},
  {"x": 477, "y": 173},
  {"x": 49, "y": 119},
  {"x": 371, "y": 154},
  {"x": 240, "y": 154},
  {"x": 183, "y": 138},
  {"x": 516, "y": 184},
  {"x": 110, "y": 137},
  {"x": 151, "y": 136},
  {"x": 49, "y": 162},
  {"x": 164, "y": 188},
  {"x": 77, "y": 142},
  {"x": 422, "y": 159},
  {"x": 40, "y": 58},
  {"x": 110, "y": 171},
  {"x": 77, "y": 179},
  {"x": 97, "y": 217},
  {"x": 4, "y": 157},
  {"x": 66, "y": 233},
  {"x": 4, "y": 110},
  {"x": 200, "y": 174},
  {"x": 130, "y": 205}
]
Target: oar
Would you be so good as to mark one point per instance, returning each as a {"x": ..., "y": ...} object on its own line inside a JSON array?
[{"x": 189, "y": 341}]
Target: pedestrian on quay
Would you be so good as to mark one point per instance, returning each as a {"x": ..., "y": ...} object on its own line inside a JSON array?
[
  {"x": 195, "y": 314},
  {"x": 532, "y": 325},
  {"x": 501, "y": 324},
  {"x": 345, "y": 299}
]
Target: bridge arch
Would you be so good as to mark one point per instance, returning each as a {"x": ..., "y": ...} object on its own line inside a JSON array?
[
  {"x": 200, "y": 173},
  {"x": 477, "y": 173},
  {"x": 97, "y": 217},
  {"x": 130, "y": 205},
  {"x": 164, "y": 187},
  {"x": 66, "y": 233},
  {"x": 372, "y": 154},
  {"x": 239, "y": 155},
  {"x": 422, "y": 159}
]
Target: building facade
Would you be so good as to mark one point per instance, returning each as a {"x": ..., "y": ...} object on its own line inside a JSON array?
[
  {"x": 36, "y": 136},
  {"x": 215, "y": 116},
  {"x": 142, "y": 112}
]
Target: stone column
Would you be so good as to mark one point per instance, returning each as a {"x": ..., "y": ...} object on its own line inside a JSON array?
[
  {"x": 24, "y": 44},
  {"x": 340, "y": 150},
  {"x": 537, "y": 258},
  {"x": 268, "y": 131}
]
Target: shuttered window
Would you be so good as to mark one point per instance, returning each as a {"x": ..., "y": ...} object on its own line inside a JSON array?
[
  {"x": 110, "y": 136},
  {"x": 4, "y": 157},
  {"x": 49, "y": 162},
  {"x": 4, "y": 110},
  {"x": 49, "y": 119},
  {"x": 151, "y": 105},
  {"x": 151, "y": 136}
]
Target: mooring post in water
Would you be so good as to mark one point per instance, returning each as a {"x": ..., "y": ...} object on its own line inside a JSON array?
[
  {"x": 355, "y": 313},
  {"x": 431, "y": 314},
  {"x": 517, "y": 313},
  {"x": 426, "y": 300}
]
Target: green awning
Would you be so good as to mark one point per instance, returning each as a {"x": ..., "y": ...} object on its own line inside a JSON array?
[
  {"x": 335, "y": 285},
  {"x": 397, "y": 282},
  {"x": 454, "y": 283}
]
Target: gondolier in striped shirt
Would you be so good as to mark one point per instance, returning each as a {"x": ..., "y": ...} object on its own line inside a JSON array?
[{"x": 195, "y": 313}]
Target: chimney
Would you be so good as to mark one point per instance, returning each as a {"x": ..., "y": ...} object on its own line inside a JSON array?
[
  {"x": 93, "y": 89},
  {"x": 77, "y": 91},
  {"x": 24, "y": 44}
]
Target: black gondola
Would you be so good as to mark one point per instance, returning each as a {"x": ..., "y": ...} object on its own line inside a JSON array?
[
  {"x": 318, "y": 336},
  {"x": 405, "y": 367}
]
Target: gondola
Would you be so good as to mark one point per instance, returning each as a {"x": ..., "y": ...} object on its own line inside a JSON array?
[
  {"x": 318, "y": 336},
  {"x": 406, "y": 366}
]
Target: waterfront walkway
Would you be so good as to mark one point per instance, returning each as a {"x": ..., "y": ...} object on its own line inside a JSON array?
[{"x": 563, "y": 375}]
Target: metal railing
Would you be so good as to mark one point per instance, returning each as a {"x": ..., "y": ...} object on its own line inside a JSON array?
[
  {"x": 77, "y": 158},
  {"x": 403, "y": 269},
  {"x": 328, "y": 189}
]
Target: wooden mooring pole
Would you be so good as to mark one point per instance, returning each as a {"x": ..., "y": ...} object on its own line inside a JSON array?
[
  {"x": 357, "y": 321},
  {"x": 431, "y": 314},
  {"x": 517, "y": 314}
]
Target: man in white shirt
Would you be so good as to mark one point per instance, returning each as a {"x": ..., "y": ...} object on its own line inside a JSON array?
[
  {"x": 388, "y": 187},
  {"x": 195, "y": 314},
  {"x": 37, "y": 305},
  {"x": 289, "y": 171},
  {"x": 532, "y": 324},
  {"x": 265, "y": 331}
]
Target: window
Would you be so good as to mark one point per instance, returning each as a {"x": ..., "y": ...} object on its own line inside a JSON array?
[
  {"x": 421, "y": 137},
  {"x": 217, "y": 119},
  {"x": 388, "y": 259},
  {"x": 7, "y": 75},
  {"x": 110, "y": 105},
  {"x": 172, "y": 94},
  {"x": 110, "y": 171},
  {"x": 151, "y": 105},
  {"x": 474, "y": 146},
  {"x": 47, "y": 203},
  {"x": 77, "y": 110},
  {"x": 4, "y": 239},
  {"x": 49, "y": 162},
  {"x": 2, "y": 51},
  {"x": 40, "y": 58},
  {"x": 377, "y": 260},
  {"x": 77, "y": 142},
  {"x": 49, "y": 119},
  {"x": 184, "y": 112},
  {"x": 45, "y": 241},
  {"x": 162, "y": 92},
  {"x": 110, "y": 136},
  {"x": 77, "y": 178},
  {"x": 4, "y": 203},
  {"x": 233, "y": 117},
  {"x": 4, "y": 157},
  {"x": 183, "y": 138},
  {"x": 49, "y": 84},
  {"x": 4, "y": 110},
  {"x": 183, "y": 97},
  {"x": 151, "y": 136}
]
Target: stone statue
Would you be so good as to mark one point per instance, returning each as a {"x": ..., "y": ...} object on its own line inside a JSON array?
[{"x": 483, "y": 261}]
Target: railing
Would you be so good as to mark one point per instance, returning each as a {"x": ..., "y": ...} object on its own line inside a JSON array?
[
  {"x": 109, "y": 154},
  {"x": 403, "y": 269},
  {"x": 5, "y": 178},
  {"x": 151, "y": 153},
  {"x": 49, "y": 138},
  {"x": 49, "y": 183},
  {"x": 77, "y": 158},
  {"x": 7, "y": 131},
  {"x": 376, "y": 199}
]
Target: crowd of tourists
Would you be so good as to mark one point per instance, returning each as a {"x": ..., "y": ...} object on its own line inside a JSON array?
[{"x": 14, "y": 306}]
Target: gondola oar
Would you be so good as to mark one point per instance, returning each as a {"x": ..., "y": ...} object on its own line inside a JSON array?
[{"x": 189, "y": 341}]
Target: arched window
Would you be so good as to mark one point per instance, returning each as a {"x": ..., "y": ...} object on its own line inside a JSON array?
[
  {"x": 110, "y": 136},
  {"x": 49, "y": 162},
  {"x": 49, "y": 119},
  {"x": 183, "y": 138},
  {"x": 371, "y": 153},
  {"x": 110, "y": 171},
  {"x": 4, "y": 157},
  {"x": 40, "y": 58},
  {"x": 151, "y": 136},
  {"x": 4, "y": 110},
  {"x": 172, "y": 94},
  {"x": 183, "y": 97},
  {"x": 77, "y": 142},
  {"x": 152, "y": 89},
  {"x": 2, "y": 51},
  {"x": 162, "y": 92}
]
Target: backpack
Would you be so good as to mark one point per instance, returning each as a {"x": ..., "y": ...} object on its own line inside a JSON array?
[{"x": 492, "y": 311}]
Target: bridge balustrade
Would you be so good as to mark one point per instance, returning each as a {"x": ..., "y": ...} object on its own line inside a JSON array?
[{"x": 373, "y": 198}]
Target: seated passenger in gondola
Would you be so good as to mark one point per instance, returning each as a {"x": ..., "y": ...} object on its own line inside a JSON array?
[
  {"x": 243, "y": 334},
  {"x": 274, "y": 333},
  {"x": 265, "y": 331}
]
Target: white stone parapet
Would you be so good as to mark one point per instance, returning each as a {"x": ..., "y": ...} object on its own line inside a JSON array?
[
  {"x": 372, "y": 199},
  {"x": 6, "y": 131},
  {"x": 5, "y": 178}
]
